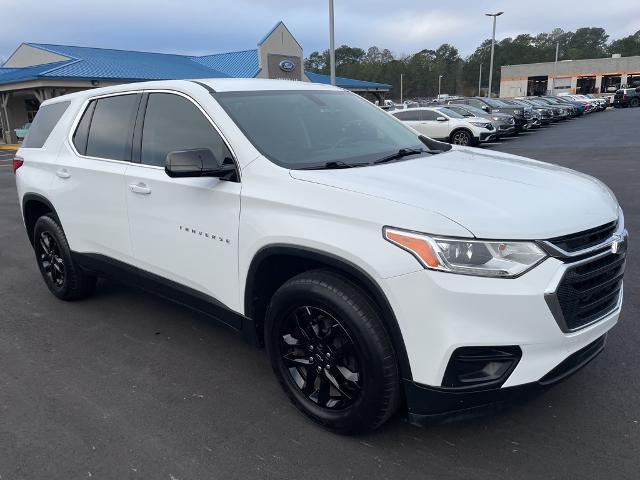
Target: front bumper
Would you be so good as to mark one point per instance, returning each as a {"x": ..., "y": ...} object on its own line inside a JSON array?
[
  {"x": 440, "y": 312},
  {"x": 487, "y": 136},
  {"x": 432, "y": 404}
]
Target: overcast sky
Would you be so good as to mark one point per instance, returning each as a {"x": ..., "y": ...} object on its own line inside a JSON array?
[{"x": 209, "y": 26}]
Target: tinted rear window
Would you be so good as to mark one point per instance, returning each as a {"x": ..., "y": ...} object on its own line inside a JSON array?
[
  {"x": 111, "y": 131},
  {"x": 42, "y": 126},
  {"x": 82, "y": 132}
]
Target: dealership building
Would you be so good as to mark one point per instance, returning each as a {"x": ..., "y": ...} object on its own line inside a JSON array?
[
  {"x": 36, "y": 72},
  {"x": 597, "y": 75}
]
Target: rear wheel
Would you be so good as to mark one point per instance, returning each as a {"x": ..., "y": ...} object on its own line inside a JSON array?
[
  {"x": 461, "y": 137},
  {"x": 331, "y": 353},
  {"x": 62, "y": 276},
  {"x": 634, "y": 102}
]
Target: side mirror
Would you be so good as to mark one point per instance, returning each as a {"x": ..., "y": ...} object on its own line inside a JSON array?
[
  {"x": 199, "y": 162},
  {"x": 441, "y": 119},
  {"x": 485, "y": 108}
]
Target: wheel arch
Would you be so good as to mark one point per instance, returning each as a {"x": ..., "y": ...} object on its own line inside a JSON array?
[
  {"x": 291, "y": 260},
  {"x": 465, "y": 129},
  {"x": 34, "y": 206}
]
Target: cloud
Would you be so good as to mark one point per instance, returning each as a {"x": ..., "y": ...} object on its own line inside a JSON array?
[{"x": 205, "y": 26}]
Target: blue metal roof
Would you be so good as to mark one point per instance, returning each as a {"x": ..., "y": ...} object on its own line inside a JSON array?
[
  {"x": 343, "y": 82},
  {"x": 243, "y": 64},
  {"x": 87, "y": 63},
  {"x": 102, "y": 63},
  {"x": 8, "y": 75}
]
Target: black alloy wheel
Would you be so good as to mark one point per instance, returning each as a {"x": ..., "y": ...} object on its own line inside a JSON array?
[
  {"x": 51, "y": 261},
  {"x": 320, "y": 357},
  {"x": 331, "y": 353},
  {"x": 62, "y": 276}
]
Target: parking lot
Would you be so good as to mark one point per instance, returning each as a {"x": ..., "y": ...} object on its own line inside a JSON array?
[{"x": 127, "y": 385}]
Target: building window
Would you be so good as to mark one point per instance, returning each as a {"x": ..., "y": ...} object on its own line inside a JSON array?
[
  {"x": 31, "y": 106},
  {"x": 586, "y": 85}
]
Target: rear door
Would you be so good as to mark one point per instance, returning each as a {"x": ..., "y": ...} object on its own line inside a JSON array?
[
  {"x": 183, "y": 229},
  {"x": 88, "y": 190}
]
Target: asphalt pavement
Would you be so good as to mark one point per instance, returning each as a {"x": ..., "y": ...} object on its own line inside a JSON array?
[{"x": 127, "y": 385}]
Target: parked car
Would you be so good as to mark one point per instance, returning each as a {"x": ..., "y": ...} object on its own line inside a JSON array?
[
  {"x": 543, "y": 114},
  {"x": 503, "y": 123},
  {"x": 443, "y": 124},
  {"x": 380, "y": 268},
  {"x": 587, "y": 104},
  {"x": 579, "y": 107},
  {"x": 560, "y": 112},
  {"x": 602, "y": 102},
  {"x": 571, "y": 110},
  {"x": 22, "y": 131},
  {"x": 494, "y": 105},
  {"x": 627, "y": 97}
]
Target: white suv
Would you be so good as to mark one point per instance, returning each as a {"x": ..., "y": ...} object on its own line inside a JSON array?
[
  {"x": 380, "y": 268},
  {"x": 444, "y": 124}
]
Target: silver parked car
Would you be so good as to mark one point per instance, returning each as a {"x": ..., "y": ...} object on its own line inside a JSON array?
[{"x": 504, "y": 123}]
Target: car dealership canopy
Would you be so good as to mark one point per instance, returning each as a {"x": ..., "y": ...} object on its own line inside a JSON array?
[{"x": 36, "y": 72}]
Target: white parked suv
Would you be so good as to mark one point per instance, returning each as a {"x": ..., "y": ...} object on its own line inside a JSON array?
[
  {"x": 444, "y": 124},
  {"x": 380, "y": 268}
]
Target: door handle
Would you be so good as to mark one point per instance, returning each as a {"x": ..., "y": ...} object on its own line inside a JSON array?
[
  {"x": 63, "y": 173},
  {"x": 140, "y": 188}
]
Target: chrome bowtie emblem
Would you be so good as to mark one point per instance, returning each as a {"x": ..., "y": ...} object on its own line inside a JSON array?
[{"x": 618, "y": 244}]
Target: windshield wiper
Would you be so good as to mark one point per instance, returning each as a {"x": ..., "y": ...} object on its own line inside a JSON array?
[
  {"x": 333, "y": 165},
  {"x": 403, "y": 152}
]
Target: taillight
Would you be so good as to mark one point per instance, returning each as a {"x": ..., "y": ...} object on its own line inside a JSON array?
[
  {"x": 625, "y": 97},
  {"x": 17, "y": 163}
]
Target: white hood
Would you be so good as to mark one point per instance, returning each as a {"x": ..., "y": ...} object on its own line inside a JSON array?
[{"x": 493, "y": 195}]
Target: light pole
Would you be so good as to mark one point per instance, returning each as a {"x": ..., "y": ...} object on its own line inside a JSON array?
[
  {"x": 555, "y": 70},
  {"x": 480, "y": 82},
  {"x": 332, "y": 45},
  {"x": 439, "y": 83},
  {"x": 493, "y": 43},
  {"x": 401, "y": 75}
]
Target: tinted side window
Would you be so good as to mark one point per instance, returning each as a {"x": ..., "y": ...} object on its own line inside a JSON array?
[
  {"x": 410, "y": 115},
  {"x": 42, "y": 126},
  {"x": 476, "y": 103},
  {"x": 171, "y": 123},
  {"x": 429, "y": 115},
  {"x": 81, "y": 134},
  {"x": 111, "y": 131}
]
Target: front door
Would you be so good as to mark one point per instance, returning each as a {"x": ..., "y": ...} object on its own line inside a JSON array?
[
  {"x": 183, "y": 229},
  {"x": 439, "y": 129}
]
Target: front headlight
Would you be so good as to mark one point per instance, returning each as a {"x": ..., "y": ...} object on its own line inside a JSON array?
[
  {"x": 480, "y": 124},
  {"x": 486, "y": 258}
]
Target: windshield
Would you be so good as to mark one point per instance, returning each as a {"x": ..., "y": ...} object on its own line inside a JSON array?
[
  {"x": 449, "y": 113},
  {"x": 307, "y": 128},
  {"x": 476, "y": 111},
  {"x": 495, "y": 103}
]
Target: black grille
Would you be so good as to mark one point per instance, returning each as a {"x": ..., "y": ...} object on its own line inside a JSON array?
[
  {"x": 585, "y": 239},
  {"x": 590, "y": 290}
]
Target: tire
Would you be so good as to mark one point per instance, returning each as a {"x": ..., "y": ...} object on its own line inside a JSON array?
[
  {"x": 62, "y": 276},
  {"x": 634, "y": 102},
  {"x": 320, "y": 313},
  {"x": 461, "y": 137}
]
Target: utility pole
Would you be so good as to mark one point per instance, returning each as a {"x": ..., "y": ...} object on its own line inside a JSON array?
[
  {"x": 332, "y": 44},
  {"x": 493, "y": 44},
  {"x": 401, "y": 75},
  {"x": 439, "y": 83},
  {"x": 555, "y": 69},
  {"x": 480, "y": 82}
]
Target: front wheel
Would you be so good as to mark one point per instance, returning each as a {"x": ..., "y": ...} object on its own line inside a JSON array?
[
  {"x": 331, "y": 353},
  {"x": 461, "y": 137},
  {"x": 634, "y": 102}
]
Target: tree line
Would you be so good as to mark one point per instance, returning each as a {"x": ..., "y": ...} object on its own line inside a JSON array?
[{"x": 460, "y": 75}]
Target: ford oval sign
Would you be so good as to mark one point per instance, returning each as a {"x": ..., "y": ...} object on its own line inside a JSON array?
[{"x": 287, "y": 65}]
